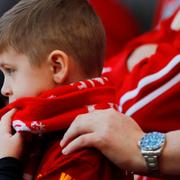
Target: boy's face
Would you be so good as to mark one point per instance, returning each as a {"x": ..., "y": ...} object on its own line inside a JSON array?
[{"x": 22, "y": 79}]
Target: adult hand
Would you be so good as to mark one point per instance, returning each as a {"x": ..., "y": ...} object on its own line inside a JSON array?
[
  {"x": 10, "y": 144},
  {"x": 113, "y": 133}
]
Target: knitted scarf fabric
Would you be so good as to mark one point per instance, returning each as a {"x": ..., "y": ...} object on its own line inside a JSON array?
[{"x": 55, "y": 109}]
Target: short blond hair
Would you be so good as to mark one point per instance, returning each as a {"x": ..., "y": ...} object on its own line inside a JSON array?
[{"x": 37, "y": 27}]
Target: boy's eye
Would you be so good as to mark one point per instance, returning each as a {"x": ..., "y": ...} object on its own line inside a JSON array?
[{"x": 9, "y": 70}]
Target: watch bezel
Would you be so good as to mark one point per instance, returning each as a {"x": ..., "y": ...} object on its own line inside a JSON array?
[{"x": 152, "y": 141}]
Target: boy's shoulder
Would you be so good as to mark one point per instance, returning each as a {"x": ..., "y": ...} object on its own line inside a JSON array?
[{"x": 83, "y": 164}]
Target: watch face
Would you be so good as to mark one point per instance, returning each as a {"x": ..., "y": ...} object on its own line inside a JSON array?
[{"x": 152, "y": 141}]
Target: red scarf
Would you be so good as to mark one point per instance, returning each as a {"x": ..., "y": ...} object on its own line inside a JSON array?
[{"x": 55, "y": 109}]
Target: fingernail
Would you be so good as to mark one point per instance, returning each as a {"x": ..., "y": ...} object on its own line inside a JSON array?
[
  {"x": 64, "y": 152},
  {"x": 61, "y": 143}
]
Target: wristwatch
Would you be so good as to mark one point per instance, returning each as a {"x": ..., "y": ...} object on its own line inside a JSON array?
[{"x": 151, "y": 146}]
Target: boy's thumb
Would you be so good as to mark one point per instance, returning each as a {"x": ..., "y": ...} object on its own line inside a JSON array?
[{"x": 18, "y": 137}]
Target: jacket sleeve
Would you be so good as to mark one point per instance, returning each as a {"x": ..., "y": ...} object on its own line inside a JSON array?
[{"x": 10, "y": 169}]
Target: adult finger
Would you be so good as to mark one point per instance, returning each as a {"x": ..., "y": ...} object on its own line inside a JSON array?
[
  {"x": 5, "y": 123},
  {"x": 81, "y": 125},
  {"x": 85, "y": 140}
]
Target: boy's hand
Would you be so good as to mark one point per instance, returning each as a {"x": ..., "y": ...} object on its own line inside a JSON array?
[{"x": 11, "y": 145}]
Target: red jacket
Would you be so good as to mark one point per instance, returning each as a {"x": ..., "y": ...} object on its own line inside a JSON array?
[{"x": 150, "y": 92}]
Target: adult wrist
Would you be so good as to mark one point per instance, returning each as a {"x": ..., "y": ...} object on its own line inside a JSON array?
[
  {"x": 169, "y": 161},
  {"x": 136, "y": 162},
  {"x": 151, "y": 146},
  {"x": 140, "y": 165}
]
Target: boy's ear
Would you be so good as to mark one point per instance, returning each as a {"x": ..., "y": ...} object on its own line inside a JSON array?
[{"x": 59, "y": 62}]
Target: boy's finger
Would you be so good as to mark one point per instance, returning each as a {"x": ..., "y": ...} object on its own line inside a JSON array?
[
  {"x": 18, "y": 137},
  {"x": 5, "y": 123}
]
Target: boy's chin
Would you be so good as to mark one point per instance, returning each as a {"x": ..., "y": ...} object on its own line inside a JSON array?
[{"x": 11, "y": 101}]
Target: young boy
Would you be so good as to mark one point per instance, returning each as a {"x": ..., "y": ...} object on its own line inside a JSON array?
[{"x": 47, "y": 49}]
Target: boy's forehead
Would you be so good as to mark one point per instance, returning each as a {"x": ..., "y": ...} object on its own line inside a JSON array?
[
  {"x": 5, "y": 57},
  {"x": 10, "y": 56}
]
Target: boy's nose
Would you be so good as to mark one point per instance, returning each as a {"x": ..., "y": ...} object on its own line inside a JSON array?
[{"x": 5, "y": 91}]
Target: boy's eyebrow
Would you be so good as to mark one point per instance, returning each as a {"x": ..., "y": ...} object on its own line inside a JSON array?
[{"x": 4, "y": 64}]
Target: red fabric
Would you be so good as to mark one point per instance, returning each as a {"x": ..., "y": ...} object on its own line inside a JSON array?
[
  {"x": 37, "y": 115},
  {"x": 50, "y": 115},
  {"x": 116, "y": 69},
  {"x": 151, "y": 117},
  {"x": 119, "y": 24},
  {"x": 150, "y": 92},
  {"x": 165, "y": 8}
]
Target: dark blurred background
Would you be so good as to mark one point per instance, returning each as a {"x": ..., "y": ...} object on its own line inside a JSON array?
[
  {"x": 6, "y": 4},
  {"x": 143, "y": 10}
]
